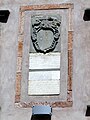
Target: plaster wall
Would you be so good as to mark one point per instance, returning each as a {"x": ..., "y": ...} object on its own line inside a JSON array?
[{"x": 81, "y": 61}]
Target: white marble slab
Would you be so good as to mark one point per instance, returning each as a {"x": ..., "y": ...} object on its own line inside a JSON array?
[
  {"x": 44, "y": 75},
  {"x": 43, "y": 87},
  {"x": 44, "y": 61}
]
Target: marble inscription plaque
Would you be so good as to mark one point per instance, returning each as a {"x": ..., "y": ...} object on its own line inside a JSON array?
[
  {"x": 44, "y": 74},
  {"x": 44, "y": 59},
  {"x": 43, "y": 87}
]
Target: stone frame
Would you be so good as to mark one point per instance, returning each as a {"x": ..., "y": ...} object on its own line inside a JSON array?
[{"x": 68, "y": 102}]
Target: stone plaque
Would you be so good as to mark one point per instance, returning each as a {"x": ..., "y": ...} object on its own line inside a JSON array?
[
  {"x": 44, "y": 74},
  {"x": 44, "y": 59},
  {"x": 47, "y": 61},
  {"x": 44, "y": 87}
]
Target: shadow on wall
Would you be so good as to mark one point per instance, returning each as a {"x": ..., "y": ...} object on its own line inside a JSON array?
[
  {"x": 88, "y": 111},
  {"x": 86, "y": 16},
  {"x": 41, "y": 117},
  {"x": 4, "y": 14}
]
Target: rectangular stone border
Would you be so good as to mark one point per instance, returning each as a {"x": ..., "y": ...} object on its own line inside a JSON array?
[{"x": 68, "y": 102}]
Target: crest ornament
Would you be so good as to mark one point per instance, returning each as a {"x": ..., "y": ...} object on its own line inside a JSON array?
[{"x": 45, "y": 23}]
